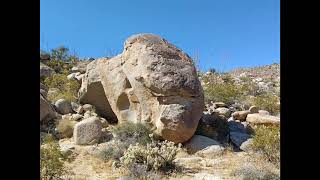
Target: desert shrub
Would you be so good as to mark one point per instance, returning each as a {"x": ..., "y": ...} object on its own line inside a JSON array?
[
  {"x": 59, "y": 66},
  {"x": 227, "y": 93},
  {"x": 113, "y": 152},
  {"x": 65, "y": 127},
  {"x": 267, "y": 102},
  {"x": 132, "y": 132},
  {"x": 61, "y": 53},
  {"x": 157, "y": 156},
  {"x": 266, "y": 141},
  {"x": 51, "y": 160},
  {"x": 251, "y": 172},
  {"x": 68, "y": 88}
]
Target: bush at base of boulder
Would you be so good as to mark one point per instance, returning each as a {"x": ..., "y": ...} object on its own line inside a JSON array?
[{"x": 65, "y": 127}]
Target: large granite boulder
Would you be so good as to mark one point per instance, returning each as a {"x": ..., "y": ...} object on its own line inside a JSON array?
[{"x": 153, "y": 82}]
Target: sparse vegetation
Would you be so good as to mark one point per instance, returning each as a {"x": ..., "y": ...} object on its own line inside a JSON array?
[
  {"x": 65, "y": 127},
  {"x": 267, "y": 142},
  {"x": 51, "y": 160},
  {"x": 267, "y": 102},
  {"x": 133, "y": 132},
  {"x": 227, "y": 93},
  {"x": 254, "y": 172},
  {"x": 68, "y": 88},
  {"x": 157, "y": 156}
]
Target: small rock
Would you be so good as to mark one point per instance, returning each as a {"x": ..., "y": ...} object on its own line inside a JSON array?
[
  {"x": 75, "y": 106},
  {"x": 211, "y": 151},
  {"x": 259, "y": 119},
  {"x": 197, "y": 143},
  {"x": 63, "y": 106},
  {"x": 245, "y": 146},
  {"x": 88, "y": 131},
  {"x": 219, "y": 104},
  {"x": 104, "y": 122},
  {"x": 254, "y": 109},
  {"x": 76, "y": 117},
  {"x": 87, "y": 107},
  {"x": 240, "y": 115},
  {"x": 74, "y": 69},
  {"x": 71, "y": 76},
  {"x": 224, "y": 111},
  {"x": 263, "y": 112}
]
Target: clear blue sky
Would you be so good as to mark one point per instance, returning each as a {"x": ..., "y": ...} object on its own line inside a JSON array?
[{"x": 224, "y": 33}]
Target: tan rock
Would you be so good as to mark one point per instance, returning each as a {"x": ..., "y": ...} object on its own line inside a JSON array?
[
  {"x": 92, "y": 92},
  {"x": 258, "y": 119},
  {"x": 240, "y": 115},
  {"x": 46, "y": 110},
  {"x": 264, "y": 112},
  {"x": 88, "y": 131},
  {"x": 154, "y": 82},
  {"x": 254, "y": 109}
]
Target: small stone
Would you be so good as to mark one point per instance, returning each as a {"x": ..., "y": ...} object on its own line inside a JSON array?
[
  {"x": 254, "y": 109},
  {"x": 88, "y": 131},
  {"x": 63, "y": 106}
]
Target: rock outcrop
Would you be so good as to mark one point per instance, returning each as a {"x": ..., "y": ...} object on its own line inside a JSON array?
[
  {"x": 46, "y": 110},
  {"x": 92, "y": 92},
  {"x": 152, "y": 82}
]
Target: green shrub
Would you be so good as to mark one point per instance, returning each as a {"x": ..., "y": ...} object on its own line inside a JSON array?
[
  {"x": 65, "y": 127},
  {"x": 61, "y": 53},
  {"x": 68, "y": 88},
  {"x": 223, "y": 92},
  {"x": 51, "y": 160},
  {"x": 267, "y": 141},
  {"x": 157, "y": 156},
  {"x": 267, "y": 102},
  {"x": 138, "y": 132},
  {"x": 113, "y": 151},
  {"x": 59, "y": 66}
]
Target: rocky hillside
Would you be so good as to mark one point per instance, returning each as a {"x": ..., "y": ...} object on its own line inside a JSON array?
[{"x": 147, "y": 114}]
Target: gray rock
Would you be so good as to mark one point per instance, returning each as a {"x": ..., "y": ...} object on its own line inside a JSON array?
[
  {"x": 45, "y": 71},
  {"x": 213, "y": 126},
  {"x": 197, "y": 143},
  {"x": 245, "y": 146},
  {"x": 47, "y": 112},
  {"x": 88, "y": 131},
  {"x": 224, "y": 111},
  {"x": 63, "y": 106},
  {"x": 238, "y": 133}
]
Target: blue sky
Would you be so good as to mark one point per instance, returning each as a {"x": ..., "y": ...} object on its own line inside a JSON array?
[{"x": 224, "y": 34}]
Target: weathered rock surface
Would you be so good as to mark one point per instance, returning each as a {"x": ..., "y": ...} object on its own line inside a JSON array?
[
  {"x": 240, "y": 115},
  {"x": 92, "y": 92},
  {"x": 258, "y": 119},
  {"x": 46, "y": 110},
  {"x": 213, "y": 126},
  {"x": 153, "y": 82},
  {"x": 224, "y": 111},
  {"x": 88, "y": 131},
  {"x": 238, "y": 133},
  {"x": 197, "y": 143},
  {"x": 63, "y": 106},
  {"x": 45, "y": 71}
]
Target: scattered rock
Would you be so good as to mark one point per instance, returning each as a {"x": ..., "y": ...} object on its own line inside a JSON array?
[
  {"x": 213, "y": 126},
  {"x": 224, "y": 111},
  {"x": 259, "y": 119},
  {"x": 63, "y": 106},
  {"x": 263, "y": 112},
  {"x": 254, "y": 109},
  {"x": 210, "y": 151},
  {"x": 238, "y": 133},
  {"x": 87, "y": 107},
  {"x": 197, "y": 143},
  {"x": 45, "y": 71},
  {"x": 245, "y": 146},
  {"x": 76, "y": 117},
  {"x": 75, "y": 106},
  {"x": 88, "y": 131},
  {"x": 240, "y": 115},
  {"x": 47, "y": 112},
  {"x": 219, "y": 105}
]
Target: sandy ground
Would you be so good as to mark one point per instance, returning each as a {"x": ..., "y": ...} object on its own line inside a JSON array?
[{"x": 218, "y": 167}]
